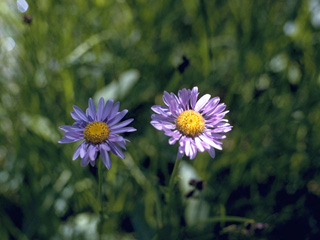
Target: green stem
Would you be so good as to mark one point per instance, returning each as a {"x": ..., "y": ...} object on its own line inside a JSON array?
[
  {"x": 173, "y": 177},
  {"x": 101, "y": 198},
  {"x": 206, "y": 26}
]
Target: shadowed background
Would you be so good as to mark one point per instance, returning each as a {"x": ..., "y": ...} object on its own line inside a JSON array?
[{"x": 260, "y": 57}]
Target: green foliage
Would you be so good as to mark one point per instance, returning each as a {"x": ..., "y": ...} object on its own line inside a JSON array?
[{"x": 260, "y": 57}]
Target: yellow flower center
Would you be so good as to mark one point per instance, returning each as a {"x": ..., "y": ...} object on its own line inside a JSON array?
[
  {"x": 96, "y": 132},
  {"x": 190, "y": 123}
]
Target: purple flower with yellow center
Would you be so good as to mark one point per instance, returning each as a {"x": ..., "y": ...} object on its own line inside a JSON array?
[
  {"x": 100, "y": 131},
  {"x": 198, "y": 125}
]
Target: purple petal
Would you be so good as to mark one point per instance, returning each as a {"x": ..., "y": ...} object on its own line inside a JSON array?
[
  {"x": 105, "y": 155},
  {"x": 75, "y": 116},
  {"x": 193, "y": 97},
  {"x": 188, "y": 147},
  {"x": 166, "y": 98},
  {"x": 180, "y": 153},
  {"x": 67, "y": 140},
  {"x": 201, "y": 102},
  {"x": 122, "y": 124},
  {"x": 173, "y": 106},
  {"x": 80, "y": 113},
  {"x": 100, "y": 109},
  {"x": 117, "y": 117},
  {"x": 91, "y": 109},
  {"x": 193, "y": 150},
  {"x": 199, "y": 144},
  {"x": 85, "y": 161},
  {"x": 71, "y": 129},
  {"x": 160, "y": 109},
  {"x": 83, "y": 149},
  {"x": 92, "y": 152},
  {"x": 107, "y": 109},
  {"x": 217, "y": 110},
  {"x": 122, "y": 130},
  {"x": 114, "y": 110},
  {"x": 211, "y": 142},
  {"x": 211, "y": 105},
  {"x": 77, "y": 152},
  {"x": 117, "y": 151},
  {"x": 184, "y": 98},
  {"x": 212, "y": 152}
]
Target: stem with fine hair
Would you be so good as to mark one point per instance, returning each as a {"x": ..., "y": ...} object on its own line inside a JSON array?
[
  {"x": 173, "y": 176},
  {"x": 101, "y": 198},
  {"x": 172, "y": 182}
]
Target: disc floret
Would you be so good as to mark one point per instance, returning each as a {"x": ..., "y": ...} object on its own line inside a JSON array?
[
  {"x": 96, "y": 132},
  {"x": 190, "y": 123}
]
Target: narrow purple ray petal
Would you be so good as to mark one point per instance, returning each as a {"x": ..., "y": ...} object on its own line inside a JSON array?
[
  {"x": 75, "y": 116},
  {"x": 122, "y": 144},
  {"x": 193, "y": 148},
  {"x": 184, "y": 98},
  {"x": 199, "y": 144},
  {"x": 105, "y": 156},
  {"x": 118, "y": 117},
  {"x": 76, "y": 152},
  {"x": 212, "y": 152},
  {"x": 201, "y": 102},
  {"x": 193, "y": 97},
  {"x": 166, "y": 98},
  {"x": 107, "y": 109},
  {"x": 180, "y": 153},
  {"x": 67, "y": 128},
  {"x": 115, "y": 150},
  {"x": 160, "y": 109},
  {"x": 114, "y": 110},
  {"x": 126, "y": 129},
  {"x": 83, "y": 149},
  {"x": 100, "y": 109},
  {"x": 211, "y": 105},
  {"x": 67, "y": 140},
  {"x": 80, "y": 113},
  {"x": 85, "y": 161},
  {"x": 92, "y": 109},
  {"x": 92, "y": 152},
  {"x": 122, "y": 124},
  {"x": 115, "y": 138}
]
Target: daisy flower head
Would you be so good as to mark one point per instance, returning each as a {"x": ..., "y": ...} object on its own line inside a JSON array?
[
  {"x": 100, "y": 131},
  {"x": 198, "y": 125}
]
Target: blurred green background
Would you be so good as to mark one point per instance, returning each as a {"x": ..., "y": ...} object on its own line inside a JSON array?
[{"x": 261, "y": 57}]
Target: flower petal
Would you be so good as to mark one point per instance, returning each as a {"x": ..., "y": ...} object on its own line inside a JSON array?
[
  {"x": 117, "y": 117},
  {"x": 116, "y": 150},
  {"x": 184, "y": 98},
  {"x": 122, "y": 130},
  {"x": 122, "y": 124},
  {"x": 80, "y": 113},
  {"x": 107, "y": 109},
  {"x": 201, "y": 102},
  {"x": 193, "y": 97},
  {"x": 92, "y": 152},
  {"x": 100, "y": 109},
  {"x": 105, "y": 155},
  {"x": 85, "y": 161},
  {"x": 114, "y": 110},
  {"x": 77, "y": 152}
]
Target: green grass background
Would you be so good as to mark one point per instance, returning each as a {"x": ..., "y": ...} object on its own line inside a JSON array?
[{"x": 260, "y": 57}]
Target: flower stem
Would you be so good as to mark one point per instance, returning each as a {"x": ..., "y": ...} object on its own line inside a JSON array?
[
  {"x": 101, "y": 198},
  {"x": 173, "y": 176},
  {"x": 169, "y": 207}
]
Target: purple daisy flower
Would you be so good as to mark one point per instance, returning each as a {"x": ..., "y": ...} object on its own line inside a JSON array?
[
  {"x": 198, "y": 125},
  {"x": 100, "y": 131}
]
